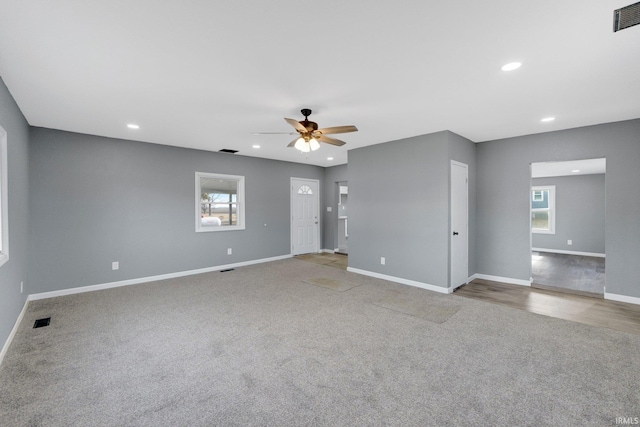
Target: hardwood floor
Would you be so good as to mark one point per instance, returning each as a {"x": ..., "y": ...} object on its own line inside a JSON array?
[
  {"x": 614, "y": 315},
  {"x": 573, "y": 273},
  {"x": 592, "y": 311}
]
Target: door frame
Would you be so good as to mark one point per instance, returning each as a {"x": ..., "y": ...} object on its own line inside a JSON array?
[
  {"x": 452, "y": 286},
  {"x": 291, "y": 198}
]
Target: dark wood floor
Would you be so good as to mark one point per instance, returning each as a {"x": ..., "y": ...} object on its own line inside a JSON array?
[
  {"x": 614, "y": 315},
  {"x": 573, "y": 273}
]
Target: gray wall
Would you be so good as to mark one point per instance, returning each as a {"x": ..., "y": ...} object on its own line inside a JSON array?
[
  {"x": 95, "y": 200},
  {"x": 503, "y": 198},
  {"x": 580, "y": 214},
  {"x": 399, "y": 208},
  {"x": 15, "y": 269},
  {"x": 330, "y": 194}
]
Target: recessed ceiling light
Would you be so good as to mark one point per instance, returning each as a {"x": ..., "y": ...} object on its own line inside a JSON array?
[
  {"x": 511, "y": 66},
  {"x": 256, "y": 146},
  {"x": 548, "y": 119},
  {"x": 575, "y": 170},
  {"x": 329, "y": 158},
  {"x": 133, "y": 126}
]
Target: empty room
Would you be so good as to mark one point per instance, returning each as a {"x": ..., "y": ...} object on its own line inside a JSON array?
[{"x": 319, "y": 213}]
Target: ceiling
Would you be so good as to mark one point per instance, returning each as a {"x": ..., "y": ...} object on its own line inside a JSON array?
[{"x": 207, "y": 74}]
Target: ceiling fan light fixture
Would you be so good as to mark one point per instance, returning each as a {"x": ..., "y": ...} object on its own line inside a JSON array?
[
  {"x": 302, "y": 145},
  {"x": 313, "y": 144}
]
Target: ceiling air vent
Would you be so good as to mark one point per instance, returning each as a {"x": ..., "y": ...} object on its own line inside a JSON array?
[
  {"x": 226, "y": 150},
  {"x": 626, "y": 17}
]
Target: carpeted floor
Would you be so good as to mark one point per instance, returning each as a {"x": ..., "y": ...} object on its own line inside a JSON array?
[{"x": 262, "y": 345}]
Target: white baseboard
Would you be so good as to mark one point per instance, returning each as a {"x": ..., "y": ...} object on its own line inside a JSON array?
[
  {"x": 328, "y": 251},
  {"x": 560, "y": 251},
  {"x": 502, "y": 279},
  {"x": 110, "y": 285},
  {"x": 622, "y": 298},
  {"x": 401, "y": 280},
  {"x": 7, "y": 343}
]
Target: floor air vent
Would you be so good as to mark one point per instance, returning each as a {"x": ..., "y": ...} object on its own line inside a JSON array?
[
  {"x": 42, "y": 322},
  {"x": 626, "y": 17}
]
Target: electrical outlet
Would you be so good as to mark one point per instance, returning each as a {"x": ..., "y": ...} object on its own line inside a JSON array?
[
  {"x": 21, "y": 287},
  {"x": 382, "y": 260},
  {"x": 115, "y": 265},
  {"x": 569, "y": 242},
  {"x": 329, "y": 208},
  {"x": 229, "y": 251}
]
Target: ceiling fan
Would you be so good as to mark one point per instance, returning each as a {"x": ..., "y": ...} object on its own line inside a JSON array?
[{"x": 310, "y": 136}]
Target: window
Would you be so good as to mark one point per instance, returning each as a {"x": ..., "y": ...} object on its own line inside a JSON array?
[
  {"x": 219, "y": 202},
  {"x": 4, "y": 213},
  {"x": 538, "y": 196},
  {"x": 305, "y": 189},
  {"x": 543, "y": 215}
]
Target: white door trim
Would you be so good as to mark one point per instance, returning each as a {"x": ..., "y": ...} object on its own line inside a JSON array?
[{"x": 317, "y": 213}]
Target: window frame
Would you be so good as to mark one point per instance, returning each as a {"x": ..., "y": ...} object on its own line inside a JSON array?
[
  {"x": 4, "y": 198},
  {"x": 240, "y": 202},
  {"x": 551, "y": 208}
]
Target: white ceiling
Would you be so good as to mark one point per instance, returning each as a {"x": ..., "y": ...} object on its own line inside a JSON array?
[
  {"x": 572, "y": 167},
  {"x": 207, "y": 74}
]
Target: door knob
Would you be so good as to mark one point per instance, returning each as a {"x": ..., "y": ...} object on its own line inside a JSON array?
[{"x": 455, "y": 233}]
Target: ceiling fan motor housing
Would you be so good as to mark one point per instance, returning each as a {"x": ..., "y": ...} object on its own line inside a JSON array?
[{"x": 309, "y": 125}]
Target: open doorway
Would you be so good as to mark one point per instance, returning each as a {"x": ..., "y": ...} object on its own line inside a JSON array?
[
  {"x": 568, "y": 226},
  {"x": 342, "y": 230}
]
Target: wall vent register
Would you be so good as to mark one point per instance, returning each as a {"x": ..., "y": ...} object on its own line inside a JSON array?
[
  {"x": 40, "y": 323},
  {"x": 626, "y": 17}
]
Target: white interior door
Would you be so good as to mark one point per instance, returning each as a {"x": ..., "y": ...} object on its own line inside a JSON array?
[
  {"x": 305, "y": 231},
  {"x": 459, "y": 224}
]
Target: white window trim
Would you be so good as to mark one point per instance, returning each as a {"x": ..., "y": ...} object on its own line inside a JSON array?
[
  {"x": 240, "y": 203},
  {"x": 552, "y": 209},
  {"x": 4, "y": 204}
]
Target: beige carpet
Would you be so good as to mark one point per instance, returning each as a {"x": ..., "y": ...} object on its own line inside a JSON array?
[
  {"x": 418, "y": 307},
  {"x": 257, "y": 346},
  {"x": 329, "y": 283}
]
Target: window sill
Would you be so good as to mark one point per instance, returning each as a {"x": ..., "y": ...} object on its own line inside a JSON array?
[{"x": 219, "y": 228}]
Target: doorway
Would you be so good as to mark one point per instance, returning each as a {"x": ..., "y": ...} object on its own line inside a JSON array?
[
  {"x": 342, "y": 229},
  {"x": 305, "y": 230},
  {"x": 568, "y": 226}
]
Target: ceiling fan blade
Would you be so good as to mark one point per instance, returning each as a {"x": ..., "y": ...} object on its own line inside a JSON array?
[
  {"x": 273, "y": 133},
  {"x": 296, "y": 125},
  {"x": 293, "y": 143},
  {"x": 338, "y": 129},
  {"x": 331, "y": 141}
]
